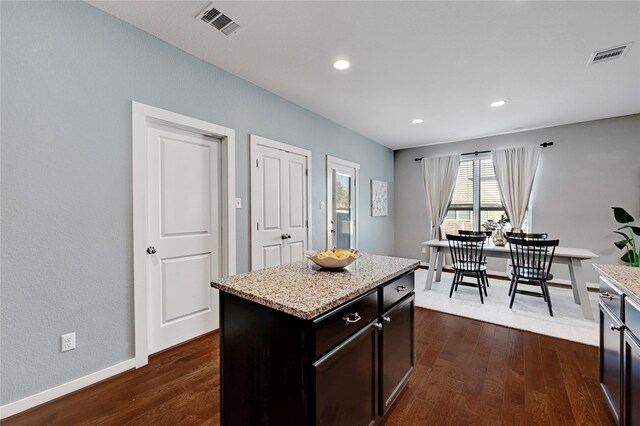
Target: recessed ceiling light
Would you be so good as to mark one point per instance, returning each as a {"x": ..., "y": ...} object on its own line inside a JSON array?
[
  {"x": 341, "y": 64},
  {"x": 417, "y": 121},
  {"x": 497, "y": 103}
]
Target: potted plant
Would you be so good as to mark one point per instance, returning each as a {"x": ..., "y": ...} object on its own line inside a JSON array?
[
  {"x": 627, "y": 231},
  {"x": 497, "y": 226}
]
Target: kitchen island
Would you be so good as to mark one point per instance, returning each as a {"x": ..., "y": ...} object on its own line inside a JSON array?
[{"x": 301, "y": 345}]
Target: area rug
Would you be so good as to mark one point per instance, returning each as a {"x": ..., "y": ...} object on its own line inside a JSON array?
[{"x": 528, "y": 313}]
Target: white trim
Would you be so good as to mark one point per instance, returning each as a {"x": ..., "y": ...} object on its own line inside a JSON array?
[
  {"x": 23, "y": 404},
  {"x": 141, "y": 114},
  {"x": 254, "y": 141},
  {"x": 332, "y": 162}
]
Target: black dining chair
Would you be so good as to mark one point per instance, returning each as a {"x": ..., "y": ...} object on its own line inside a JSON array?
[
  {"x": 531, "y": 260},
  {"x": 528, "y": 236},
  {"x": 487, "y": 235},
  {"x": 466, "y": 251}
]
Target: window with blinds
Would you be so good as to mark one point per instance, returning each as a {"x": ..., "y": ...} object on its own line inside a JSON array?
[{"x": 476, "y": 198}]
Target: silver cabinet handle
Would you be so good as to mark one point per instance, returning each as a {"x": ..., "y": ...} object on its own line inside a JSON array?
[
  {"x": 378, "y": 326},
  {"x": 606, "y": 296},
  {"x": 352, "y": 318},
  {"x": 617, "y": 327},
  {"x": 401, "y": 288},
  {"x": 386, "y": 319},
  {"x": 151, "y": 250}
]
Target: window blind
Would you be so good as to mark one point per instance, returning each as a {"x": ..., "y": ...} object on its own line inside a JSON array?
[
  {"x": 489, "y": 192},
  {"x": 463, "y": 192}
]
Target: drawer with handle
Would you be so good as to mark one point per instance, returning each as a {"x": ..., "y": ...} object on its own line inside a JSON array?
[
  {"x": 338, "y": 324},
  {"x": 396, "y": 290},
  {"x": 611, "y": 297}
]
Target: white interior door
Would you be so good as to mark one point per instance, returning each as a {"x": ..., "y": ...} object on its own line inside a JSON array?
[
  {"x": 279, "y": 204},
  {"x": 342, "y": 203},
  {"x": 184, "y": 234}
]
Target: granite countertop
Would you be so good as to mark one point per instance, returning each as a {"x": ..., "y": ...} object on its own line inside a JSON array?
[
  {"x": 625, "y": 278},
  {"x": 305, "y": 290}
]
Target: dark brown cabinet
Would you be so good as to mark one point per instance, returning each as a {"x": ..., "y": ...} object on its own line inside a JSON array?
[
  {"x": 631, "y": 379},
  {"x": 344, "y": 367},
  {"x": 611, "y": 360},
  {"x": 346, "y": 382},
  {"x": 620, "y": 354},
  {"x": 397, "y": 351}
]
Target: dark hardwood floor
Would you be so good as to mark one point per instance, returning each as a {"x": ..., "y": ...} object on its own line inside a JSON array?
[{"x": 468, "y": 372}]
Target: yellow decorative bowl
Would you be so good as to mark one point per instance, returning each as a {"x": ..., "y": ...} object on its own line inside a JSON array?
[{"x": 327, "y": 260}]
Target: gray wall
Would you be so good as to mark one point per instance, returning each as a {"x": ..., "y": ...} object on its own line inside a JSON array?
[
  {"x": 591, "y": 167},
  {"x": 69, "y": 73}
]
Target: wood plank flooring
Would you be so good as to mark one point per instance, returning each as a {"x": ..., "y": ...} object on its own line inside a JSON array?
[{"x": 468, "y": 372}]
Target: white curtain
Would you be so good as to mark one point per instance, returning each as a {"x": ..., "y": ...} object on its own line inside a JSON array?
[
  {"x": 515, "y": 169},
  {"x": 439, "y": 175}
]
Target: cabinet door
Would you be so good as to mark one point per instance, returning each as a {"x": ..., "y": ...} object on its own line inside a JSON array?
[
  {"x": 631, "y": 380},
  {"x": 397, "y": 357},
  {"x": 611, "y": 360},
  {"x": 346, "y": 381}
]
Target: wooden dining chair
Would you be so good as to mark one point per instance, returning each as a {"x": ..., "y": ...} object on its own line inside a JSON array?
[
  {"x": 531, "y": 260},
  {"x": 525, "y": 235},
  {"x": 466, "y": 252},
  {"x": 528, "y": 235},
  {"x": 487, "y": 235}
]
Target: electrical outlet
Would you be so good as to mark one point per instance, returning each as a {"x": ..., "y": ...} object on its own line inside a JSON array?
[
  {"x": 424, "y": 249},
  {"x": 238, "y": 203},
  {"x": 322, "y": 204},
  {"x": 68, "y": 342}
]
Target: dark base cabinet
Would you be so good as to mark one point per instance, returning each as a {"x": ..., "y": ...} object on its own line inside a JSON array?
[
  {"x": 344, "y": 367},
  {"x": 631, "y": 379},
  {"x": 398, "y": 353},
  {"x": 620, "y": 354},
  {"x": 611, "y": 360},
  {"x": 345, "y": 382}
]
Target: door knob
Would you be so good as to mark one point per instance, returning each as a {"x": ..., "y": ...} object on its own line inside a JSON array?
[
  {"x": 288, "y": 236},
  {"x": 151, "y": 250},
  {"x": 386, "y": 319},
  {"x": 283, "y": 236}
]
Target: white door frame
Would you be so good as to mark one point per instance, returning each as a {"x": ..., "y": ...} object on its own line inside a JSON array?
[
  {"x": 141, "y": 115},
  {"x": 254, "y": 141},
  {"x": 332, "y": 162}
]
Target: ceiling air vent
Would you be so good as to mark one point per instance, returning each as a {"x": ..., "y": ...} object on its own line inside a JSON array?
[
  {"x": 605, "y": 55},
  {"x": 218, "y": 20}
]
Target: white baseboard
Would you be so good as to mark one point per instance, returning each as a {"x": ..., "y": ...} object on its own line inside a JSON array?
[{"x": 40, "y": 398}]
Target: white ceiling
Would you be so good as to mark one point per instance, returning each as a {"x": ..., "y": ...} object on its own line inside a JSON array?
[{"x": 444, "y": 62}]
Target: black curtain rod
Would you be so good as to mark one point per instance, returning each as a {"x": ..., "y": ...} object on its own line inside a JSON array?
[{"x": 543, "y": 144}]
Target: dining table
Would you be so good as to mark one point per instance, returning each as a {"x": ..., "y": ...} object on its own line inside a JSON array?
[{"x": 572, "y": 257}]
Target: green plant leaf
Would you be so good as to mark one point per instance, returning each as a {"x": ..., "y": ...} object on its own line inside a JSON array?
[
  {"x": 621, "y": 215},
  {"x": 627, "y": 257},
  {"x": 622, "y": 244},
  {"x": 622, "y": 234},
  {"x": 636, "y": 230}
]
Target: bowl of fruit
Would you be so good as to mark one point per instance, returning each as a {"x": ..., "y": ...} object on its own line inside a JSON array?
[{"x": 335, "y": 258}]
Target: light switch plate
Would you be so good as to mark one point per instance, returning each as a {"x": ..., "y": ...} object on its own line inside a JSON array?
[{"x": 238, "y": 203}]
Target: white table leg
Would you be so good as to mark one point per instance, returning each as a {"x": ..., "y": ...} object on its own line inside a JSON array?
[
  {"x": 574, "y": 287},
  {"x": 580, "y": 285},
  {"x": 433, "y": 257},
  {"x": 441, "y": 256}
]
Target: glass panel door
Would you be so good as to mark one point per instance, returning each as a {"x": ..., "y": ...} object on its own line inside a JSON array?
[{"x": 343, "y": 194}]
